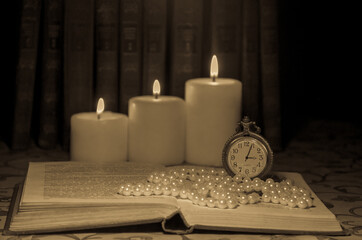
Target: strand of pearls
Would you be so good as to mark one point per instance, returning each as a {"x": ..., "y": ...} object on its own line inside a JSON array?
[{"x": 214, "y": 188}]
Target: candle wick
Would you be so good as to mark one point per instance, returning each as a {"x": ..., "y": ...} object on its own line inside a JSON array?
[
  {"x": 156, "y": 95},
  {"x": 214, "y": 78},
  {"x": 98, "y": 116}
]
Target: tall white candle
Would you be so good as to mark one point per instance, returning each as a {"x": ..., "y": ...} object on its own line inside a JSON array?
[
  {"x": 157, "y": 129},
  {"x": 213, "y": 107},
  {"x": 99, "y": 136}
]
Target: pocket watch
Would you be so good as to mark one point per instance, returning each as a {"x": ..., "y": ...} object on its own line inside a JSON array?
[{"x": 246, "y": 152}]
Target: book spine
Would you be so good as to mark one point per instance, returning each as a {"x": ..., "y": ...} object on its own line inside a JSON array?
[
  {"x": 130, "y": 52},
  {"x": 250, "y": 68},
  {"x": 154, "y": 43},
  {"x": 26, "y": 73},
  {"x": 225, "y": 21},
  {"x": 106, "y": 30},
  {"x": 51, "y": 73},
  {"x": 78, "y": 61},
  {"x": 269, "y": 48},
  {"x": 186, "y": 43}
]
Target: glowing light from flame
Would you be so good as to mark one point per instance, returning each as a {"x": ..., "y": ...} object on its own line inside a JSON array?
[
  {"x": 156, "y": 88},
  {"x": 100, "y": 107},
  {"x": 214, "y": 68}
]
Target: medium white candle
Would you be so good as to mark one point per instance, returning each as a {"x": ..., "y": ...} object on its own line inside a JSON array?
[
  {"x": 213, "y": 107},
  {"x": 157, "y": 128},
  {"x": 99, "y": 136}
]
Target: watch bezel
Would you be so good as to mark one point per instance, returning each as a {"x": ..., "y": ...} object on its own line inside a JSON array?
[{"x": 236, "y": 137}]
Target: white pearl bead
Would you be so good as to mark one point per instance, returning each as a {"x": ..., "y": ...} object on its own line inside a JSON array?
[
  {"x": 251, "y": 199},
  {"x": 308, "y": 200},
  {"x": 157, "y": 190},
  {"x": 210, "y": 202},
  {"x": 289, "y": 182},
  {"x": 237, "y": 178},
  {"x": 162, "y": 174},
  {"x": 273, "y": 190},
  {"x": 248, "y": 187},
  {"x": 292, "y": 202},
  {"x": 150, "y": 178},
  {"x": 202, "y": 201},
  {"x": 283, "y": 200},
  {"x": 210, "y": 185},
  {"x": 127, "y": 191},
  {"x": 231, "y": 203},
  {"x": 147, "y": 191},
  {"x": 269, "y": 181},
  {"x": 166, "y": 190},
  {"x": 302, "y": 203},
  {"x": 175, "y": 192},
  {"x": 183, "y": 194},
  {"x": 156, "y": 179},
  {"x": 222, "y": 195},
  {"x": 247, "y": 180},
  {"x": 222, "y": 172},
  {"x": 265, "y": 188},
  {"x": 191, "y": 195},
  {"x": 221, "y": 203},
  {"x": 243, "y": 199},
  {"x": 266, "y": 197},
  {"x": 120, "y": 190},
  {"x": 256, "y": 196},
  {"x": 275, "y": 198},
  {"x": 183, "y": 175},
  {"x": 203, "y": 190},
  {"x": 137, "y": 191},
  {"x": 195, "y": 200},
  {"x": 192, "y": 176}
]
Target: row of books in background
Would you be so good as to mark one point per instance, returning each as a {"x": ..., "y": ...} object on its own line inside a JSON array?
[{"x": 115, "y": 49}]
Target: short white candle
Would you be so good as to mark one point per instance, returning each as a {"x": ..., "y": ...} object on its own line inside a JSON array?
[
  {"x": 157, "y": 129},
  {"x": 99, "y": 136},
  {"x": 213, "y": 107}
]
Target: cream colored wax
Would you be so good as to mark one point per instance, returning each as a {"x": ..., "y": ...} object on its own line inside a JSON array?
[
  {"x": 157, "y": 129},
  {"x": 213, "y": 111},
  {"x": 102, "y": 139}
]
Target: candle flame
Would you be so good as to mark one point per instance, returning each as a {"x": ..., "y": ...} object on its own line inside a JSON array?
[
  {"x": 214, "y": 68},
  {"x": 100, "y": 106},
  {"x": 156, "y": 88}
]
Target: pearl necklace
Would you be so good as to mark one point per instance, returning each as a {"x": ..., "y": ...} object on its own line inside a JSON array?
[{"x": 211, "y": 187}]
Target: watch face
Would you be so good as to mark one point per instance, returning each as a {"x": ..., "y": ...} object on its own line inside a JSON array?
[{"x": 247, "y": 156}]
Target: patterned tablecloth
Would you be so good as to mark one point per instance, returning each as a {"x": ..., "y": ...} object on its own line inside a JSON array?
[{"x": 327, "y": 153}]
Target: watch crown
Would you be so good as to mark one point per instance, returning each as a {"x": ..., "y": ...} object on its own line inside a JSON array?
[
  {"x": 247, "y": 125},
  {"x": 246, "y": 119}
]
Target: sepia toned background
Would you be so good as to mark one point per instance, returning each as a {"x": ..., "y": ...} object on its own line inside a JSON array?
[
  {"x": 62, "y": 56},
  {"x": 297, "y": 61}
]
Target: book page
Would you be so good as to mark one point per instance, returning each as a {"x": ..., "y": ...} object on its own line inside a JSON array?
[{"x": 75, "y": 182}]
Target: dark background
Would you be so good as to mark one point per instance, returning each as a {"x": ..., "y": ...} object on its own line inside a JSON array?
[{"x": 318, "y": 64}]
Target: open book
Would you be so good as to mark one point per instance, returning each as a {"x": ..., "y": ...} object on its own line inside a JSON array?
[{"x": 66, "y": 196}]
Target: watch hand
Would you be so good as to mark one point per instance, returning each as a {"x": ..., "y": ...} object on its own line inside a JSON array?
[
  {"x": 247, "y": 155},
  {"x": 251, "y": 157}
]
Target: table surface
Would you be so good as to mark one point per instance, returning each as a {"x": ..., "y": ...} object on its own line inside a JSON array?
[{"x": 327, "y": 153}]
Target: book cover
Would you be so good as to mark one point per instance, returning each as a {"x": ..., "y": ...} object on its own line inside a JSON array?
[
  {"x": 26, "y": 73},
  {"x": 64, "y": 196},
  {"x": 225, "y": 22},
  {"x": 130, "y": 52},
  {"x": 51, "y": 74},
  {"x": 78, "y": 61},
  {"x": 269, "y": 59},
  {"x": 154, "y": 45},
  {"x": 106, "y": 41},
  {"x": 186, "y": 44},
  {"x": 250, "y": 61}
]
